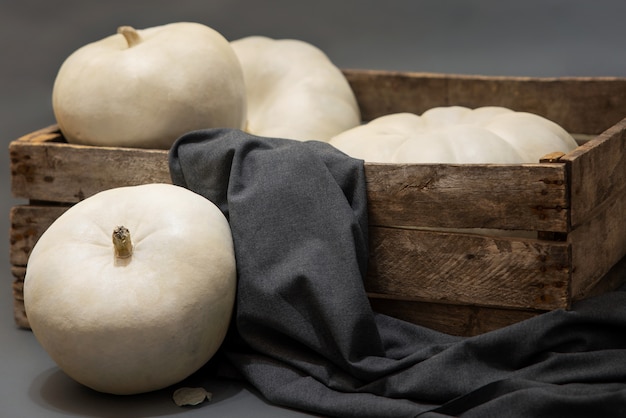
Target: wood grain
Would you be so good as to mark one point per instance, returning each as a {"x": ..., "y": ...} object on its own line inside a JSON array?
[
  {"x": 597, "y": 172},
  {"x": 582, "y": 105},
  {"x": 598, "y": 245},
  {"x": 28, "y": 223},
  {"x": 522, "y": 197},
  {"x": 446, "y": 267},
  {"x": 526, "y": 197},
  {"x": 59, "y": 172},
  {"x": 19, "y": 311}
]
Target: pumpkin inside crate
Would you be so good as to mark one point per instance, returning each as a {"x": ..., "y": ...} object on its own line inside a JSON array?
[{"x": 421, "y": 267}]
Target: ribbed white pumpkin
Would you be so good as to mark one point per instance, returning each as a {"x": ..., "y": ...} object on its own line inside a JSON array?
[
  {"x": 294, "y": 90},
  {"x": 456, "y": 134},
  {"x": 145, "y": 88},
  {"x": 130, "y": 323}
]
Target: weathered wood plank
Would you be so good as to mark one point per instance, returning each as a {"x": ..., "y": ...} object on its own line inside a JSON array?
[
  {"x": 462, "y": 320},
  {"x": 424, "y": 265},
  {"x": 60, "y": 172},
  {"x": 582, "y": 105},
  {"x": 522, "y": 197},
  {"x": 28, "y": 223},
  {"x": 597, "y": 172},
  {"x": 470, "y": 269},
  {"x": 598, "y": 244},
  {"x": 611, "y": 281},
  {"x": 19, "y": 312},
  {"x": 531, "y": 196}
]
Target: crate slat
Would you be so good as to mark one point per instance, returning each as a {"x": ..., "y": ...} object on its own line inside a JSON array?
[
  {"x": 19, "y": 312},
  {"x": 598, "y": 172},
  {"x": 581, "y": 105},
  {"x": 28, "y": 223},
  {"x": 522, "y": 197},
  {"x": 598, "y": 245},
  {"x": 531, "y": 196},
  {"x": 56, "y": 171},
  {"x": 469, "y": 269}
]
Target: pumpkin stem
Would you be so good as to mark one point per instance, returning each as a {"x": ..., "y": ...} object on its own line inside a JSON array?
[
  {"x": 122, "y": 243},
  {"x": 130, "y": 34}
]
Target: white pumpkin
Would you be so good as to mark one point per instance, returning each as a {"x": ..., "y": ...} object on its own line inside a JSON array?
[
  {"x": 456, "y": 134},
  {"x": 132, "y": 289},
  {"x": 145, "y": 88},
  {"x": 294, "y": 91}
]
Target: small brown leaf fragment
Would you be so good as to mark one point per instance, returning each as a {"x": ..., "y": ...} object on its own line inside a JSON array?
[{"x": 191, "y": 396}]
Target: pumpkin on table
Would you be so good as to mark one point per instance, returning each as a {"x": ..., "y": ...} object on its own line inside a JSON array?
[{"x": 132, "y": 289}]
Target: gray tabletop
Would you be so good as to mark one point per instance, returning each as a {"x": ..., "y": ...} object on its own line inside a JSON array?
[{"x": 530, "y": 38}]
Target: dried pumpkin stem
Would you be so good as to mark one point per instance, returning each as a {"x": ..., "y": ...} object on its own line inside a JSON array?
[
  {"x": 122, "y": 243},
  {"x": 130, "y": 34}
]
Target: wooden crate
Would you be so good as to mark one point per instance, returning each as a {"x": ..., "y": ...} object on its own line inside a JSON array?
[{"x": 421, "y": 267}]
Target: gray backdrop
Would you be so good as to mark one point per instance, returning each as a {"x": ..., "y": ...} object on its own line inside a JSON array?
[{"x": 490, "y": 37}]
